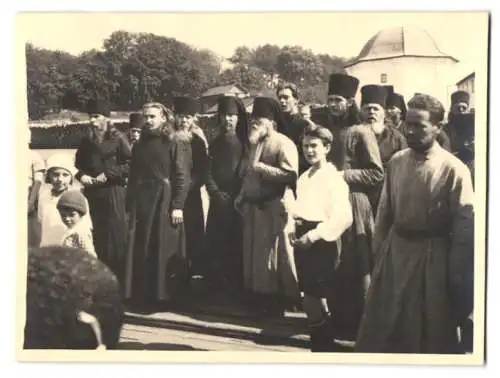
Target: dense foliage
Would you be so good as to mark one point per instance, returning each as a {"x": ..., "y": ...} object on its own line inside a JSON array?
[{"x": 132, "y": 68}]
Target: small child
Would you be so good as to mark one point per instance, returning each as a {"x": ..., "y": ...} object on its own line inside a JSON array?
[
  {"x": 322, "y": 213},
  {"x": 59, "y": 179},
  {"x": 72, "y": 207}
]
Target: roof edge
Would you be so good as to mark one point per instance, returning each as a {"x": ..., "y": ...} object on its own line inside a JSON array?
[{"x": 400, "y": 56}]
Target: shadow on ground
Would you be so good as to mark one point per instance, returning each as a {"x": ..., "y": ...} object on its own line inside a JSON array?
[{"x": 134, "y": 345}]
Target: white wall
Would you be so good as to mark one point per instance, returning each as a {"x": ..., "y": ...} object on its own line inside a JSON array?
[{"x": 408, "y": 75}]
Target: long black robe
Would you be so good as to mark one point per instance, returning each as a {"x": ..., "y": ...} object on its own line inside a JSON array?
[
  {"x": 157, "y": 267},
  {"x": 224, "y": 223},
  {"x": 110, "y": 156},
  {"x": 390, "y": 141},
  {"x": 295, "y": 128},
  {"x": 193, "y": 209}
]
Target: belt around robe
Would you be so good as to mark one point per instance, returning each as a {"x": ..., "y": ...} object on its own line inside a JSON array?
[{"x": 409, "y": 234}]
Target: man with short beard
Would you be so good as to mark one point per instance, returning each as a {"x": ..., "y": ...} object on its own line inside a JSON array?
[
  {"x": 265, "y": 202},
  {"x": 423, "y": 236},
  {"x": 288, "y": 96}
]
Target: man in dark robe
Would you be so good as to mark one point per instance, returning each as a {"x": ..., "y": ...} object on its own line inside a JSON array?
[
  {"x": 396, "y": 111},
  {"x": 288, "y": 96},
  {"x": 103, "y": 161},
  {"x": 157, "y": 267},
  {"x": 228, "y": 153},
  {"x": 464, "y": 126},
  {"x": 423, "y": 235},
  {"x": 73, "y": 301},
  {"x": 390, "y": 140},
  {"x": 340, "y": 113},
  {"x": 460, "y": 104},
  {"x": 185, "y": 111},
  {"x": 136, "y": 122}
]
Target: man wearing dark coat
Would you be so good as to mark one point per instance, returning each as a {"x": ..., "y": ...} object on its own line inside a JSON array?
[
  {"x": 288, "y": 96},
  {"x": 103, "y": 161},
  {"x": 396, "y": 111},
  {"x": 185, "y": 112},
  {"x": 157, "y": 267},
  {"x": 460, "y": 102},
  {"x": 228, "y": 154}
]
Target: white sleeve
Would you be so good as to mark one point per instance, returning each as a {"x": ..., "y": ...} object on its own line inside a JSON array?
[{"x": 339, "y": 212}]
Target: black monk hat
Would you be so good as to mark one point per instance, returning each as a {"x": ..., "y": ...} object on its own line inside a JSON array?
[
  {"x": 460, "y": 96},
  {"x": 397, "y": 100},
  {"x": 389, "y": 89},
  {"x": 98, "y": 106},
  {"x": 186, "y": 105},
  {"x": 136, "y": 121},
  {"x": 343, "y": 85},
  {"x": 228, "y": 105},
  {"x": 373, "y": 94},
  {"x": 266, "y": 107}
]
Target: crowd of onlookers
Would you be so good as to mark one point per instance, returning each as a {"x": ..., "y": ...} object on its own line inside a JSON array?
[{"x": 360, "y": 216}]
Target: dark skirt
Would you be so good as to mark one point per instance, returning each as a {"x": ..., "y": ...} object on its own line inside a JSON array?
[
  {"x": 156, "y": 268},
  {"x": 194, "y": 224},
  {"x": 224, "y": 238},
  {"x": 347, "y": 302},
  {"x": 109, "y": 222},
  {"x": 315, "y": 265}
]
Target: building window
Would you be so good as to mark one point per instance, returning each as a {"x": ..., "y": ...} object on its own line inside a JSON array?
[{"x": 383, "y": 78}]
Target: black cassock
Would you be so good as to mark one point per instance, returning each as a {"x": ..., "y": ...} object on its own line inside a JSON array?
[
  {"x": 110, "y": 156},
  {"x": 157, "y": 268},
  {"x": 194, "y": 219},
  {"x": 224, "y": 223}
]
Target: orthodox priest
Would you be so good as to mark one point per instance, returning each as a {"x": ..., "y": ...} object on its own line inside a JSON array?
[
  {"x": 423, "y": 236},
  {"x": 228, "y": 154},
  {"x": 157, "y": 267},
  {"x": 185, "y": 112},
  {"x": 103, "y": 161},
  {"x": 265, "y": 203}
]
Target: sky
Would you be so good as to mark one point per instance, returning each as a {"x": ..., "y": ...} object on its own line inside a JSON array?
[{"x": 462, "y": 35}]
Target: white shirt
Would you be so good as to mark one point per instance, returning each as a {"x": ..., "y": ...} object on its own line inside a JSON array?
[{"x": 324, "y": 197}]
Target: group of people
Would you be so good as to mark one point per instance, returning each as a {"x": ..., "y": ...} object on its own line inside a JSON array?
[{"x": 361, "y": 216}]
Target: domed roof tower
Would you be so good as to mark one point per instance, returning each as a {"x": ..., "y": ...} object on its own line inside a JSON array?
[{"x": 399, "y": 42}]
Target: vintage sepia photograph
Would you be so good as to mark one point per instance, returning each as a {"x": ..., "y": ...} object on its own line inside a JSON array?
[{"x": 253, "y": 182}]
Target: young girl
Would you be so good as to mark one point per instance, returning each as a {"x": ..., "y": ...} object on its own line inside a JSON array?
[
  {"x": 72, "y": 207},
  {"x": 322, "y": 213},
  {"x": 59, "y": 179}
]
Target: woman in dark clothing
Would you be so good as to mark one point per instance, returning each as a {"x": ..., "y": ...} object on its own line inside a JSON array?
[
  {"x": 103, "y": 161},
  {"x": 159, "y": 182},
  {"x": 185, "y": 110},
  {"x": 357, "y": 156},
  {"x": 228, "y": 152}
]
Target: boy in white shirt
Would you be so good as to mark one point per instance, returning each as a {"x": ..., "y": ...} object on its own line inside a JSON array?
[{"x": 322, "y": 213}]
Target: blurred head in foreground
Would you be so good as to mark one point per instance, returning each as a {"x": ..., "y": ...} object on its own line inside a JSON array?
[{"x": 73, "y": 301}]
